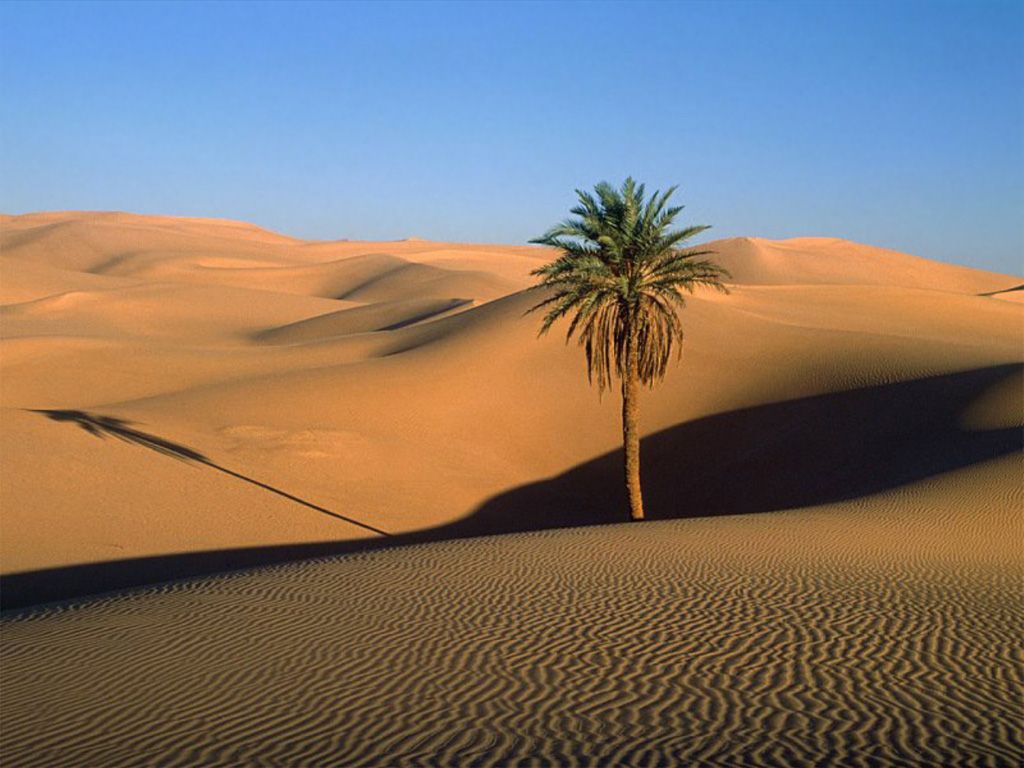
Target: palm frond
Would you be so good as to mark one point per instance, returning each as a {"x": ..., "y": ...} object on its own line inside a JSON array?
[{"x": 621, "y": 274}]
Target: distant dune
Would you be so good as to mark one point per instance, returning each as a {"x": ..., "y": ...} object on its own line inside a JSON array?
[{"x": 182, "y": 396}]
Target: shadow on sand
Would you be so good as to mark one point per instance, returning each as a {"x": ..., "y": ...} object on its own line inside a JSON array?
[
  {"x": 785, "y": 455},
  {"x": 104, "y": 426},
  {"x": 1004, "y": 290}
]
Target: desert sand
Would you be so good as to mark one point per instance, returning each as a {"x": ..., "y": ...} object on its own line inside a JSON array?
[{"x": 184, "y": 396}]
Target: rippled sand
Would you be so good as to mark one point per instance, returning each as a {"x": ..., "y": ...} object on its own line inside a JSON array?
[{"x": 882, "y": 632}]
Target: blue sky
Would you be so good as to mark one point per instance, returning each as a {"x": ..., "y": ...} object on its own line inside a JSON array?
[{"x": 898, "y": 124}]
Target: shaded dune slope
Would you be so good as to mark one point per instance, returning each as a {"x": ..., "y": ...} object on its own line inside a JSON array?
[
  {"x": 381, "y": 316},
  {"x": 797, "y": 453}
]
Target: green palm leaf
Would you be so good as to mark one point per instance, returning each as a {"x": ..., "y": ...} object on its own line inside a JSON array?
[{"x": 622, "y": 271}]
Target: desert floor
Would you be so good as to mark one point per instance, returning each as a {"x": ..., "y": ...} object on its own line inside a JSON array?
[{"x": 180, "y": 397}]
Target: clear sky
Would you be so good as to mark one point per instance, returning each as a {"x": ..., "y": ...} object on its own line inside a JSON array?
[{"x": 898, "y": 124}]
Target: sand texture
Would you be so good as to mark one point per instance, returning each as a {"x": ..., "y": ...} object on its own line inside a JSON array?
[
  {"x": 183, "y": 396},
  {"x": 881, "y": 633}
]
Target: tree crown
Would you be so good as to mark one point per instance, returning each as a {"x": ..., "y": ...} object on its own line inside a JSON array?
[{"x": 621, "y": 275}]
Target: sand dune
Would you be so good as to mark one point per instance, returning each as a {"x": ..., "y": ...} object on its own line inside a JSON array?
[
  {"x": 183, "y": 396},
  {"x": 152, "y": 311},
  {"x": 421, "y": 395},
  {"x": 829, "y": 261},
  {"x": 380, "y": 316}
]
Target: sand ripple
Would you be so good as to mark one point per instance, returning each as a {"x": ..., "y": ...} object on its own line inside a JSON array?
[{"x": 702, "y": 642}]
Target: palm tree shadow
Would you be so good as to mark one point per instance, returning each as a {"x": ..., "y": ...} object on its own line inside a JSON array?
[
  {"x": 798, "y": 453},
  {"x": 104, "y": 426}
]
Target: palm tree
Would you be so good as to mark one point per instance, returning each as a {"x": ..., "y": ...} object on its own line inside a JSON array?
[{"x": 621, "y": 275}]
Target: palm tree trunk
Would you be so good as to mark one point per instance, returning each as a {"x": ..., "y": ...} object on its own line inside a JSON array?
[{"x": 630, "y": 428}]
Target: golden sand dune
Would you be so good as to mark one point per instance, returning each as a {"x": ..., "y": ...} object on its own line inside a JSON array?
[
  {"x": 184, "y": 396},
  {"x": 153, "y": 311},
  {"x": 241, "y": 255},
  {"x": 878, "y": 633},
  {"x": 421, "y": 399},
  {"x": 813, "y": 260}
]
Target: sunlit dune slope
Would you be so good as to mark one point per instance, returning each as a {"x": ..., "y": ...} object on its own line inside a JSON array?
[
  {"x": 401, "y": 386},
  {"x": 827, "y": 260}
]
